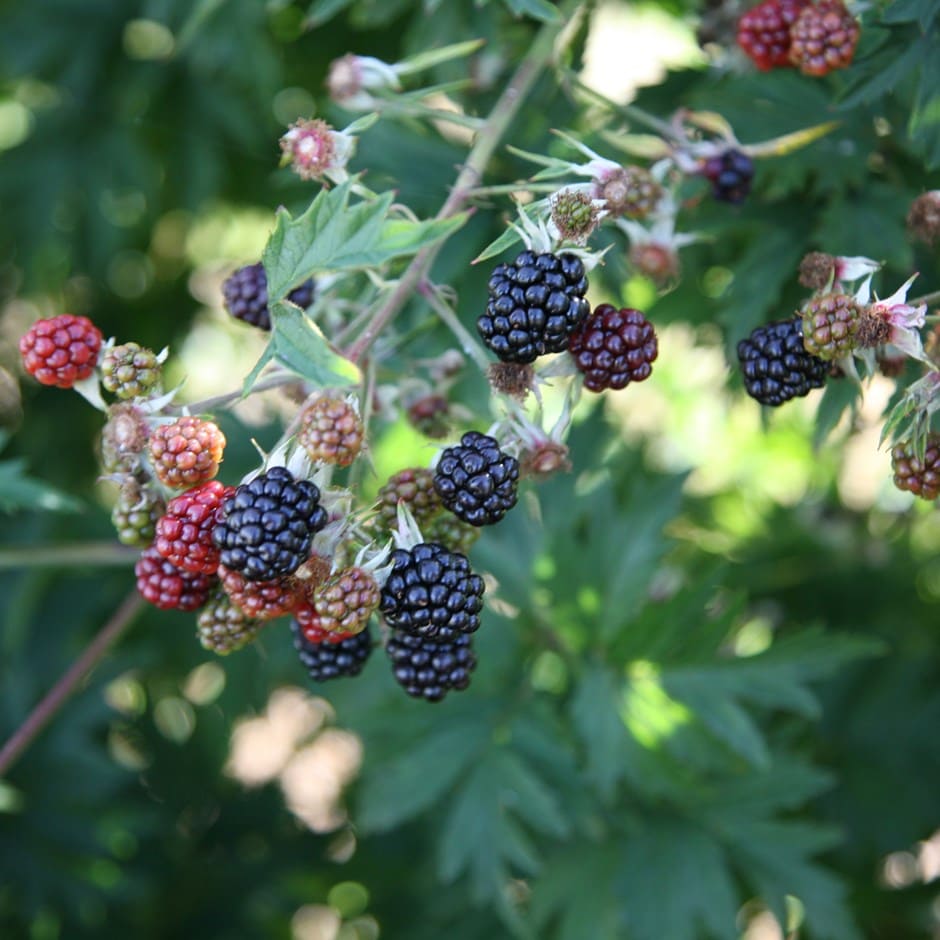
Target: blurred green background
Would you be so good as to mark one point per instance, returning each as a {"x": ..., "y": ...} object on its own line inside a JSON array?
[{"x": 707, "y": 701}]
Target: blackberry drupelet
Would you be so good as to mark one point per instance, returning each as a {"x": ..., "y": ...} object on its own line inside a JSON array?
[
  {"x": 920, "y": 477},
  {"x": 245, "y": 294},
  {"x": 775, "y": 365},
  {"x": 432, "y": 592},
  {"x": 730, "y": 174},
  {"x": 429, "y": 670},
  {"x": 265, "y": 528},
  {"x": 332, "y": 660},
  {"x": 535, "y": 304},
  {"x": 476, "y": 480},
  {"x": 614, "y": 347}
]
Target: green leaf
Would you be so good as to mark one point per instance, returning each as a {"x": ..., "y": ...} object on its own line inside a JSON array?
[
  {"x": 18, "y": 490},
  {"x": 885, "y": 74},
  {"x": 301, "y": 346},
  {"x": 332, "y": 235},
  {"x": 322, "y": 11},
  {"x": 431, "y": 57},
  {"x": 537, "y": 9},
  {"x": 509, "y": 237},
  {"x": 909, "y": 11}
]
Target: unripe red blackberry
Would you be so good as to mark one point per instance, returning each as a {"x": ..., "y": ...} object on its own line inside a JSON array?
[
  {"x": 830, "y": 324},
  {"x": 431, "y": 591},
  {"x": 130, "y": 371},
  {"x": 823, "y": 38},
  {"x": 613, "y": 348},
  {"x": 775, "y": 365},
  {"x": 920, "y": 477},
  {"x": 186, "y": 452},
  {"x": 266, "y": 527},
  {"x": 326, "y": 660},
  {"x": 167, "y": 587},
  {"x": 346, "y": 601},
  {"x": 430, "y": 415},
  {"x": 245, "y": 295},
  {"x": 476, "y": 480},
  {"x": 61, "y": 350},
  {"x": 630, "y": 191},
  {"x": 136, "y": 512},
  {"x": 260, "y": 600},
  {"x": 535, "y": 303},
  {"x": 764, "y": 32},
  {"x": 184, "y": 532},
  {"x": 429, "y": 669},
  {"x": 331, "y": 431},
  {"x": 730, "y": 174},
  {"x": 223, "y": 627}
]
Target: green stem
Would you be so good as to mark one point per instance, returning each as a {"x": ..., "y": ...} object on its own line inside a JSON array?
[
  {"x": 56, "y": 697},
  {"x": 925, "y": 299},
  {"x": 502, "y": 115},
  {"x": 521, "y": 187},
  {"x": 80, "y": 555},
  {"x": 274, "y": 380},
  {"x": 468, "y": 343}
]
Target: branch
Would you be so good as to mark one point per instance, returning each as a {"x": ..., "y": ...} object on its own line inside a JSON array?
[
  {"x": 80, "y": 554},
  {"x": 56, "y": 697},
  {"x": 487, "y": 141}
]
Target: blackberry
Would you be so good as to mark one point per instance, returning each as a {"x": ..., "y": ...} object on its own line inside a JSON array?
[
  {"x": 168, "y": 588},
  {"x": 331, "y": 431},
  {"x": 823, "y": 38},
  {"x": 535, "y": 304},
  {"x": 265, "y": 528},
  {"x": 613, "y": 348},
  {"x": 345, "y": 602},
  {"x": 245, "y": 294},
  {"x": 186, "y": 452},
  {"x": 476, "y": 480},
  {"x": 223, "y": 627},
  {"x": 830, "y": 325},
  {"x": 261, "y": 600},
  {"x": 432, "y": 591},
  {"x": 730, "y": 174},
  {"x": 630, "y": 190},
  {"x": 764, "y": 32},
  {"x": 775, "y": 365},
  {"x": 429, "y": 670},
  {"x": 430, "y": 415},
  {"x": 134, "y": 516},
  {"x": 61, "y": 350},
  {"x": 920, "y": 477},
  {"x": 184, "y": 532},
  {"x": 130, "y": 371},
  {"x": 327, "y": 660}
]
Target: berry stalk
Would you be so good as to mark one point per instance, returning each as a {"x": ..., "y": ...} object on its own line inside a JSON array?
[
  {"x": 56, "y": 697},
  {"x": 498, "y": 122}
]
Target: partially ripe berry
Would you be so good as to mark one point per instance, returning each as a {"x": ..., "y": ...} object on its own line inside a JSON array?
[
  {"x": 260, "y": 600},
  {"x": 613, "y": 348},
  {"x": 167, "y": 587},
  {"x": 331, "y": 431},
  {"x": 186, "y": 452},
  {"x": 920, "y": 477},
  {"x": 130, "y": 371},
  {"x": 61, "y": 350},
  {"x": 223, "y": 627},
  {"x": 430, "y": 415},
  {"x": 764, "y": 32},
  {"x": 629, "y": 191},
  {"x": 184, "y": 532},
  {"x": 823, "y": 38},
  {"x": 345, "y": 602},
  {"x": 830, "y": 325}
]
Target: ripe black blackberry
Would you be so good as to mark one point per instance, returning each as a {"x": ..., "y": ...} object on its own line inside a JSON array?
[
  {"x": 476, "y": 480},
  {"x": 245, "y": 294},
  {"x": 730, "y": 174},
  {"x": 535, "y": 304},
  {"x": 775, "y": 365},
  {"x": 265, "y": 528},
  {"x": 427, "y": 669},
  {"x": 332, "y": 660},
  {"x": 432, "y": 592}
]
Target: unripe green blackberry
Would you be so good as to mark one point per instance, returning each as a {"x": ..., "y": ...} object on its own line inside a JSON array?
[
  {"x": 136, "y": 512},
  {"x": 920, "y": 477},
  {"x": 575, "y": 215},
  {"x": 130, "y": 371},
  {"x": 415, "y": 488},
  {"x": 345, "y": 602},
  {"x": 830, "y": 324},
  {"x": 331, "y": 431},
  {"x": 223, "y": 627},
  {"x": 630, "y": 190},
  {"x": 453, "y": 533}
]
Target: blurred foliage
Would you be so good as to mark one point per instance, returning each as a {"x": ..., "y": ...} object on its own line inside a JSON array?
[{"x": 703, "y": 690}]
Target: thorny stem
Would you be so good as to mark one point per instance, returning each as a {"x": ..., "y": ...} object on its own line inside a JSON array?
[
  {"x": 96, "y": 554},
  {"x": 505, "y": 109},
  {"x": 274, "y": 380},
  {"x": 56, "y": 697}
]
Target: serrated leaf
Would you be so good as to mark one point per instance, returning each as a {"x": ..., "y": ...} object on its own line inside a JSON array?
[
  {"x": 334, "y": 235},
  {"x": 596, "y": 716},
  {"x": 883, "y": 74},
  {"x": 299, "y": 345}
]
